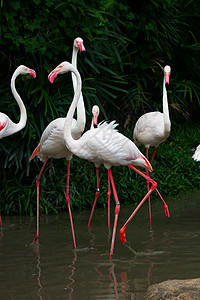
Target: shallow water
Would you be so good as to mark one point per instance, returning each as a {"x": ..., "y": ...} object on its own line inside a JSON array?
[{"x": 170, "y": 249}]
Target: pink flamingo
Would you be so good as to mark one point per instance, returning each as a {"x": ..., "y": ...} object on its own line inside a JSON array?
[
  {"x": 103, "y": 144},
  {"x": 52, "y": 143},
  {"x": 153, "y": 128},
  {"x": 7, "y": 126}
]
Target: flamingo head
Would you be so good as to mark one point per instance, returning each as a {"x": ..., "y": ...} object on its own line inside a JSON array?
[
  {"x": 62, "y": 68},
  {"x": 167, "y": 71},
  {"x": 95, "y": 113},
  {"x": 25, "y": 70},
  {"x": 78, "y": 43}
]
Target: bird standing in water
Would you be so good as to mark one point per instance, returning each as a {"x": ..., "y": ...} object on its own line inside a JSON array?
[
  {"x": 154, "y": 128},
  {"x": 7, "y": 126},
  {"x": 52, "y": 143}
]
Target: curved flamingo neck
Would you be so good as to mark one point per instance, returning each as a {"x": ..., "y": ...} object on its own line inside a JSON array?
[
  {"x": 70, "y": 142},
  {"x": 167, "y": 123},
  {"x": 23, "y": 115},
  {"x": 81, "y": 118}
]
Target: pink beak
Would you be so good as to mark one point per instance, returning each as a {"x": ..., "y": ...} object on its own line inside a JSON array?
[
  {"x": 53, "y": 75},
  {"x": 95, "y": 119},
  {"x": 167, "y": 77},
  {"x": 81, "y": 46},
  {"x": 33, "y": 73}
]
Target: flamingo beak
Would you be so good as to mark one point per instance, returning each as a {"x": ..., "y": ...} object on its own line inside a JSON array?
[
  {"x": 81, "y": 46},
  {"x": 53, "y": 74},
  {"x": 95, "y": 119},
  {"x": 167, "y": 74},
  {"x": 32, "y": 73},
  {"x": 147, "y": 164}
]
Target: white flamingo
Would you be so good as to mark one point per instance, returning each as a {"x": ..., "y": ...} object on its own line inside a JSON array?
[
  {"x": 7, "y": 126},
  {"x": 52, "y": 143},
  {"x": 153, "y": 128},
  {"x": 104, "y": 145},
  {"x": 94, "y": 124}
]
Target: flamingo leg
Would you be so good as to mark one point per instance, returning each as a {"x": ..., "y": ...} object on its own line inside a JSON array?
[
  {"x": 154, "y": 151},
  {"x": 117, "y": 209},
  {"x": 68, "y": 203},
  {"x": 96, "y": 196},
  {"x": 153, "y": 187},
  {"x": 149, "y": 201},
  {"x": 108, "y": 194},
  {"x": 1, "y": 223},
  {"x": 36, "y": 238},
  {"x": 166, "y": 210},
  {"x": 122, "y": 230}
]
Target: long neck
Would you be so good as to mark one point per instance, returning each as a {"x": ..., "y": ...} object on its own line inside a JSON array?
[
  {"x": 167, "y": 123},
  {"x": 81, "y": 118},
  {"x": 23, "y": 116},
  {"x": 70, "y": 142}
]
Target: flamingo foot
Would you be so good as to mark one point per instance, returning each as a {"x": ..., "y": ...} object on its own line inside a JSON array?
[
  {"x": 166, "y": 210},
  {"x": 36, "y": 239},
  {"x": 122, "y": 236}
]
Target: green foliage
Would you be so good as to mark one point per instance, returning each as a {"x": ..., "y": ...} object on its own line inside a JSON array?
[{"x": 127, "y": 44}]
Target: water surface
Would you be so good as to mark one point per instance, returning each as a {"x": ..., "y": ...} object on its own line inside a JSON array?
[{"x": 170, "y": 249}]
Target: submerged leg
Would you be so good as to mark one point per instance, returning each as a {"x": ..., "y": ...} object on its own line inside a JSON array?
[
  {"x": 68, "y": 203},
  {"x": 96, "y": 196},
  {"x": 117, "y": 209},
  {"x": 36, "y": 238}
]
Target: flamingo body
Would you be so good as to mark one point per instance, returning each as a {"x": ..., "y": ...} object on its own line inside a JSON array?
[
  {"x": 105, "y": 145},
  {"x": 149, "y": 130},
  {"x": 52, "y": 143}
]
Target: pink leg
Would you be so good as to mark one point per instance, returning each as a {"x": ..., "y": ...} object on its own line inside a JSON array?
[
  {"x": 117, "y": 209},
  {"x": 166, "y": 210},
  {"x": 154, "y": 151},
  {"x": 108, "y": 194},
  {"x": 154, "y": 185},
  {"x": 68, "y": 203},
  {"x": 1, "y": 223},
  {"x": 122, "y": 230},
  {"x": 96, "y": 196},
  {"x": 36, "y": 238},
  {"x": 147, "y": 173}
]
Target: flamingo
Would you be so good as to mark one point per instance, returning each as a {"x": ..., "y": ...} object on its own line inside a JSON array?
[
  {"x": 153, "y": 128},
  {"x": 7, "y": 126},
  {"x": 196, "y": 155},
  {"x": 95, "y": 113},
  {"x": 52, "y": 143},
  {"x": 104, "y": 145}
]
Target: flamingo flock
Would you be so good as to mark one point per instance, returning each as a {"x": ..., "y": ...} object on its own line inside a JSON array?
[{"x": 101, "y": 144}]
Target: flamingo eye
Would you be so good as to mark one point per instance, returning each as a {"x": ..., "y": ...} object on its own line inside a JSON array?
[{"x": 60, "y": 66}]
